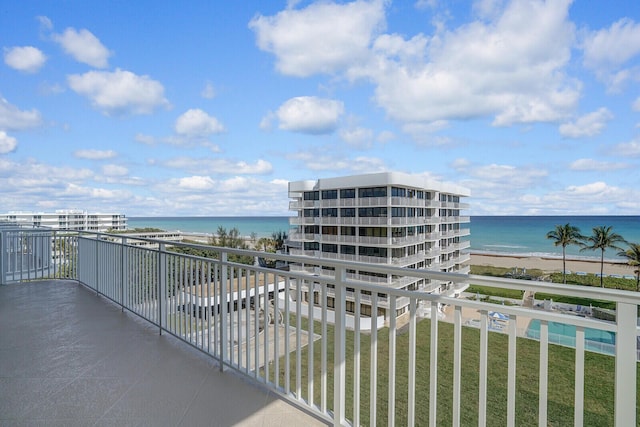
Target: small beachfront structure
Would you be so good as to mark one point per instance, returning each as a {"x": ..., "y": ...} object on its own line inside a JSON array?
[{"x": 69, "y": 219}]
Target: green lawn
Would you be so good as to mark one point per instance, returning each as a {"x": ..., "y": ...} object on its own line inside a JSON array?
[{"x": 599, "y": 372}]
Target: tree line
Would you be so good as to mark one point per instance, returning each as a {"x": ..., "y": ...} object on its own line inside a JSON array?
[{"x": 601, "y": 238}]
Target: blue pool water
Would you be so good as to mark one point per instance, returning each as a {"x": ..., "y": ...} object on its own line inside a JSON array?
[{"x": 562, "y": 334}]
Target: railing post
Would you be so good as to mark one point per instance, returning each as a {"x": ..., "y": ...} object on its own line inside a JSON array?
[
  {"x": 162, "y": 285},
  {"x": 222, "y": 301},
  {"x": 626, "y": 337},
  {"x": 123, "y": 270},
  {"x": 339, "y": 365},
  {"x": 3, "y": 252},
  {"x": 97, "y": 261}
]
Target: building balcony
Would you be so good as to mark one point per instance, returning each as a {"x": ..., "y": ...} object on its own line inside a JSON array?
[{"x": 108, "y": 333}]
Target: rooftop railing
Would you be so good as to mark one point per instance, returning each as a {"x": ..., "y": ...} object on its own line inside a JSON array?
[{"x": 323, "y": 343}]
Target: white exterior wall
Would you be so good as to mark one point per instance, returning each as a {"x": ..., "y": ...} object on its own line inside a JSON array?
[
  {"x": 76, "y": 220},
  {"x": 445, "y": 240}
]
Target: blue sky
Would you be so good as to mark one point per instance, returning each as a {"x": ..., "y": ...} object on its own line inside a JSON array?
[{"x": 210, "y": 108}]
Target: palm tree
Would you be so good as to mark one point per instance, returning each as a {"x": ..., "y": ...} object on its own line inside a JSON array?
[
  {"x": 565, "y": 235},
  {"x": 280, "y": 238},
  {"x": 602, "y": 238},
  {"x": 633, "y": 259}
]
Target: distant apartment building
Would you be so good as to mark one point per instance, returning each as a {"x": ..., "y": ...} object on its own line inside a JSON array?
[
  {"x": 383, "y": 218},
  {"x": 76, "y": 220}
]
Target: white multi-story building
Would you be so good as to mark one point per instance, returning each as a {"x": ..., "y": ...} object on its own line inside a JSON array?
[
  {"x": 76, "y": 220},
  {"x": 383, "y": 218}
]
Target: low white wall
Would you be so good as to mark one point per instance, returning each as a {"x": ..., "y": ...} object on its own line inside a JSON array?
[{"x": 365, "y": 322}]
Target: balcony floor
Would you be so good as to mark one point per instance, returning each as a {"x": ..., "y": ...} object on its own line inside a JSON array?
[{"x": 68, "y": 357}]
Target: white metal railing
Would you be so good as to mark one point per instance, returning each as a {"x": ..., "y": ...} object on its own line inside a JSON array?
[{"x": 256, "y": 321}]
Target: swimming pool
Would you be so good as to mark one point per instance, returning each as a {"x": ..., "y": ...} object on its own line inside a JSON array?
[{"x": 559, "y": 333}]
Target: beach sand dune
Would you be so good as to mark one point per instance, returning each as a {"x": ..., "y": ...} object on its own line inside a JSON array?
[{"x": 550, "y": 265}]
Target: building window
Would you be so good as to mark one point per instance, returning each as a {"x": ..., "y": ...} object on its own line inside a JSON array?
[
  {"x": 348, "y": 250},
  {"x": 372, "y": 251},
  {"x": 373, "y": 232},
  {"x": 372, "y": 192},
  {"x": 398, "y": 232},
  {"x": 326, "y": 247},
  {"x": 365, "y": 310},
  {"x": 329, "y": 194},
  {"x": 348, "y": 231},
  {"x": 411, "y": 231},
  {"x": 348, "y": 212},
  {"x": 398, "y": 192},
  {"x": 372, "y": 212},
  {"x": 398, "y": 212},
  {"x": 311, "y": 229},
  {"x": 311, "y": 246},
  {"x": 311, "y": 213},
  {"x": 332, "y": 231},
  {"x": 350, "y": 306},
  {"x": 330, "y": 212},
  {"x": 411, "y": 212},
  {"x": 311, "y": 195},
  {"x": 348, "y": 193},
  {"x": 397, "y": 253}
]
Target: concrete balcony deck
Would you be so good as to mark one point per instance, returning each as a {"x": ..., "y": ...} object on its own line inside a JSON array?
[{"x": 71, "y": 358}]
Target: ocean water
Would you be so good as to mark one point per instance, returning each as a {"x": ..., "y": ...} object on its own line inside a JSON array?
[
  {"x": 263, "y": 226},
  {"x": 519, "y": 235},
  {"x": 526, "y": 235}
]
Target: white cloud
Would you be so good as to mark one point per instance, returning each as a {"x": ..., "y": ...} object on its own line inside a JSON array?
[
  {"x": 219, "y": 166},
  {"x": 46, "y": 88},
  {"x": 45, "y": 23},
  {"x": 24, "y": 58},
  {"x": 636, "y": 105},
  {"x": 595, "y": 189},
  {"x": 607, "y": 51},
  {"x": 198, "y": 183},
  {"x": 266, "y": 123},
  {"x": 628, "y": 149},
  {"x": 84, "y": 47},
  {"x": 209, "y": 92},
  {"x": 509, "y": 66},
  {"x": 324, "y": 160},
  {"x": 613, "y": 46},
  {"x": 12, "y": 118},
  {"x": 309, "y": 114},
  {"x": 119, "y": 91},
  {"x": 357, "y": 137},
  {"x": 145, "y": 139},
  {"x": 195, "y": 123},
  {"x": 496, "y": 181},
  {"x": 588, "y": 125},
  {"x": 385, "y": 136},
  {"x": 7, "y": 143},
  {"x": 595, "y": 165},
  {"x": 321, "y": 38},
  {"x": 114, "y": 170},
  {"x": 461, "y": 164},
  {"x": 87, "y": 192},
  {"x": 95, "y": 154}
]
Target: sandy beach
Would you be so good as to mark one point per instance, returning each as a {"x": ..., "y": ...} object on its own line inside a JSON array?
[{"x": 550, "y": 264}]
